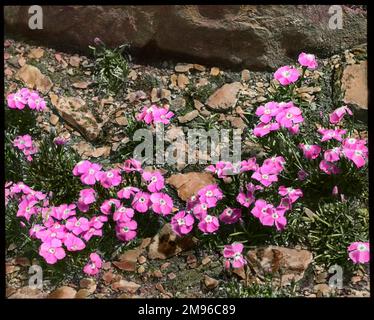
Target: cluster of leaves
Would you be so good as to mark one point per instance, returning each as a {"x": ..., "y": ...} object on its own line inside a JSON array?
[{"x": 111, "y": 67}]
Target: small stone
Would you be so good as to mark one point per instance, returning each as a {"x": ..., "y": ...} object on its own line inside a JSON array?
[
  {"x": 245, "y": 75},
  {"x": 214, "y": 71},
  {"x": 322, "y": 290},
  {"x": 172, "y": 275},
  {"x": 198, "y": 105},
  {"x": 188, "y": 116},
  {"x": 82, "y": 294},
  {"x": 124, "y": 285},
  {"x": 206, "y": 261},
  {"x": 183, "y": 67},
  {"x": 132, "y": 75},
  {"x": 81, "y": 84},
  {"x": 173, "y": 79},
  {"x": 356, "y": 279},
  {"x": 89, "y": 284},
  {"x": 199, "y": 67},
  {"x": 224, "y": 98},
  {"x": 108, "y": 277},
  {"x": 210, "y": 283},
  {"x": 22, "y": 261},
  {"x": 36, "y": 53},
  {"x": 53, "y": 119},
  {"x": 142, "y": 259},
  {"x": 64, "y": 292},
  {"x": 191, "y": 261},
  {"x": 122, "y": 121},
  {"x": 182, "y": 81},
  {"x": 157, "y": 274},
  {"x": 164, "y": 266},
  {"x": 141, "y": 269},
  {"x": 74, "y": 61}
]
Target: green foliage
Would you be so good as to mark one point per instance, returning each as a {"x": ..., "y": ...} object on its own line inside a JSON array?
[{"x": 111, "y": 68}]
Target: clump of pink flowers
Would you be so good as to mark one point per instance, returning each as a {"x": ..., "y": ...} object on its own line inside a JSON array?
[
  {"x": 26, "y": 97},
  {"x": 155, "y": 114},
  {"x": 26, "y": 145}
]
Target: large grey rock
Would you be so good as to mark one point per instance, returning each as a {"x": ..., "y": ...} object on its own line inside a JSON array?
[{"x": 252, "y": 36}]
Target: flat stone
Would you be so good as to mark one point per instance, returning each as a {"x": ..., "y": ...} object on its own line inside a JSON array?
[
  {"x": 210, "y": 283},
  {"x": 188, "y": 116},
  {"x": 64, "y": 292},
  {"x": 34, "y": 79},
  {"x": 225, "y": 97}
]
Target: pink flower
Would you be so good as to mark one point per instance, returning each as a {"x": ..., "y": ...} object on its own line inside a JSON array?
[
  {"x": 155, "y": 179},
  {"x": 359, "y": 252},
  {"x": 182, "y": 223},
  {"x": 161, "y": 203},
  {"x": 77, "y": 226},
  {"x": 123, "y": 214},
  {"x": 275, "y": 164},
  {"x": 248, "y": 165},
  {"x": 92, "y": 231},
  {"x": 27, "y": 208},
  {"x": 352, "y": 143},
  {"x": 275, "y": 217},
  {"x": 60, "y": 141},
  {"x": 261, "y": 208},
  {"x": 223, "y": 169},
  {"x": 73, "y": 243},
  {"x": 208, "y": 223},
  {"x": 52, "y": 252},
  {"x": 141, "y": 202},
  {"x": 332, "y": 155},
  {"x": 88, "y": 172},
  {"x": 86, "y": 197},
  {"x": 200, "y": 209},
  {"x": 127, "y": 192},
  {"x": 98, "y": 221},
  {"x": 328, "y": 134},
  {"x": 265, "y": 175},
  {"x": 63, "y": 211},
  {"x": 267, "y": 112},
  {"x": 16, "y": 101},
  {"x": 311, "y": 151},
  {"x": 146, "y": 114},
  {"x": 293, "y": 194},
  {"x": 328, "y": 167},
  {"x": 358, "y": 155},
  {"x": 233, "y": 255},
  {"x": 110, "y": 206},
  {"x": 210, "y": 195},
  {"x": 108, "y": 179},
  {"x": 308, "y": 60},
  {"x": 286, "y": 75},
  {"x": 338, "y": 114},
  {"x": 23, "y": 142},
  {"x": 55, "y": 233},
  {"x": 94, "y": 265},
  {"x": 302, "y": 175},
  {"x": 132, "y": 165},
  {"x": 262, "y": 129},
  {"x": 162, "y": 115},
  {"x": 126, "y": 231},
  {"x": 245, "y": 199},
  {"x": 335, "y": 191},
  {"x": 35, "y": 102},
  {"x": 288, "y": 117},
  {"x": 230, "y": 215}
]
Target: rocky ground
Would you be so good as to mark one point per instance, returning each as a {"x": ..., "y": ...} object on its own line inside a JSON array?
[{"x": 200, "y": 96}]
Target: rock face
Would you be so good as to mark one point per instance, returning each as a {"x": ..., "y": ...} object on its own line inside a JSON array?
[
  {"x": 289, "y": 263},
  {"x": 355, "y": 87},
  {"x": 258, "y": 37}
]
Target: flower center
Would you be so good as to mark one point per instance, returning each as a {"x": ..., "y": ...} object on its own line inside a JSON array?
[
  {"x": 77, "y": 224},
  {"x": 154, "y": 179},
  {"x": 289, "y": 190},
  {"x": 180, "y": 222},
  {"x": 267, "y": 111},
  {"x": 361, "y": 247},
  {"x": 141, "y": 199},
  {"x": 110, "y": 175},
  {"x": 358, "y": 152},
  {"x": 275, "y": 216},
  {"x": 352, "y": 141},
  {"x": 52, "y": 250},
  {"x": 229, "y": 212},
  {"x": 93, "y": 266},
  {"x": 286, "y": 74},
  {"x": 208, "y": 218},
  {"x": 209, "y": 193},
  {"x": 91, "y": 171},
  {"x": 265, "y": 176},
  {"x": 125, "y": 229},
  {"x": 162, "y": 202},
  {"x": 307, "y": 147},
  {"x": 289, "y": 115}
]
